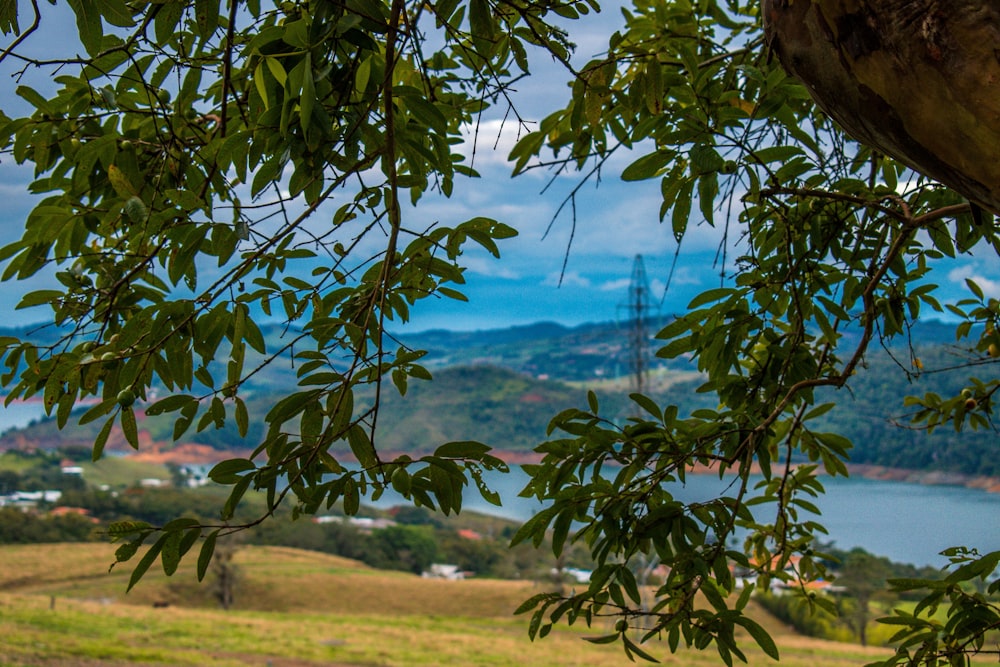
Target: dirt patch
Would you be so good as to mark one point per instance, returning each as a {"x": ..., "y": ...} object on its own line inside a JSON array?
[{"x": 189, "y": 453}]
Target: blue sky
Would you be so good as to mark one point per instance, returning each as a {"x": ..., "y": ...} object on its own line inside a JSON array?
[{"x": 615, "y": 222}]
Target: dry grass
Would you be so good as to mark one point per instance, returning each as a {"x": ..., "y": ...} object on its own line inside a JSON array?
[
  {"x": 270, "y": 579},
  {"x": 297, "y": 608},
  {"x": 90, "y": 633}
]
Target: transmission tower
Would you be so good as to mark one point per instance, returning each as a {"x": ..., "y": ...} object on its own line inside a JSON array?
[{"x": 639, "y": 322}]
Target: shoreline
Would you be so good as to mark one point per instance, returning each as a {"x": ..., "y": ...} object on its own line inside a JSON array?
[
  {"x": 863, "y": 470},
  {"x": 190, "y": 453},
  {"x": 925, "y": 477}
]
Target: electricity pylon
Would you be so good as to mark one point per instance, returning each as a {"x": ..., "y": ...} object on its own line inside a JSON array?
[{"x": 640, "y": 320}]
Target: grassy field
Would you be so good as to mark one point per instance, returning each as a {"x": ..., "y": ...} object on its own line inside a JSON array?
[
  {"x": 59, "y": 606},
  {"x": 117, "y": 472},
  {"x": 121, "y": 471}
]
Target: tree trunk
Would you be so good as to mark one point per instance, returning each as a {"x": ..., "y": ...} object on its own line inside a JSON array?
[{"x": 917, "y": 79}]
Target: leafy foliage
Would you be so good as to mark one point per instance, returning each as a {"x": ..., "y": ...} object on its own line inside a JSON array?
[
  {"x": 971, "y": 609},
  {"x": 198, "y": 168},
  {"x": 833, "y": 238}
]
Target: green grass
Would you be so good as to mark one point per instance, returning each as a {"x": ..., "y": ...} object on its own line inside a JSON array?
[
  {"x": 88, "y": 632},
  {"x": 119, "y": 472},
  {"x": 14, "y": 462},
  {"x": 59, "y": 606}
]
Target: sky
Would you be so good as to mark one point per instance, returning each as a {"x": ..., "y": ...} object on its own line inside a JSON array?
[{"x": 616, "y": 221}]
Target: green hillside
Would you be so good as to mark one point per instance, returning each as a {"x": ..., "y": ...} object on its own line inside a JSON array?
[
  {"x": 502, "y": 388},
  {"x": 504, "y": 409}
]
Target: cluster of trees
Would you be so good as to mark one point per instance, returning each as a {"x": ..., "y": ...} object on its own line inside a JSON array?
[
  {"x": 862, "y": 594},
  {"x": 155, "y": 506},
  {"x": 20, "y": 527},
  {"x": 201, "y": 167},
  {"x": 887, "y": 437},
  {"x": 419, "y": 539},
  {"x": 36, "y": 471}
]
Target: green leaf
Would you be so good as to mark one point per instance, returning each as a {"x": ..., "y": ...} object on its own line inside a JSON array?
[
  {"x": 88, "y": 24},
  {"x": 117, "y": 529},
  {"x": 307, "y": 98},
  {"x": 206, "y": 16},
  {"x": 117, "y": 13},
  {"x": 171, "y": 403},
  {"x": 205, "y": 555},
  {"x": 124, "y": 553},
  {"x": 647, "y": 404},
  {"x": 361, "y": 446},
  {"x": 129, "y": 428},
  {"x": 239, "y": 489},
  {"x": 560, "y": 530},
  {"x": 427, "y": 113},
  {"x": 242, "y": 417},
  {"x": 975, "y": 288},
  {"x": 632, "y": 647},
  {"x": 648, "y": 166},
  {"x": 534, "y": 527},
  {"x": 166, "y": 20},
  {"x": 401, "y": 482},
  {"x": 352, "y": 497},
  {"x": 711, "y": 296},
  {"x": 481, "y": 19},
  {"x": 8, "y": 17},
  {"x": 171, "y": 552},
  {"x": 465, "y": 449},
  {"x": 705, "y": 159},
  {"x": 261, "y": 84},
  {"x": 143, "y": 565},
  {"x": 682, "y": 209},
  {"x": 708, "y": 189},
  {"x": 230, "y": 471},
  {"x": 39, "y": 298},
  {"x": 102, "y": 439},
  {"x": 532, "y": 602},
  {"x": 38, "y": 101},
  {"x": 777, "y": 153},
  {"x": 760, "y": 635}
]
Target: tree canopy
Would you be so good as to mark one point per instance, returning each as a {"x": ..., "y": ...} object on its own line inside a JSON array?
[{"x": 205, "y": 166}]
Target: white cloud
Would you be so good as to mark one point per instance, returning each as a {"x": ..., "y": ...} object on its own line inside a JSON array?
[
  {"x": 488, "y": 143},
  {"x": 614, "y": 285},
  {"x": 685, "y": 275},
  {"x": 489, "y": 266},
  {"x": 990, "y": 287},
  {"x": 656, "y": 286},
  {"x": 568, "y": 279}
]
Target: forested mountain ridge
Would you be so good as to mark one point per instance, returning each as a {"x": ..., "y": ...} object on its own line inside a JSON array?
[{"x": 502, "y": 387}]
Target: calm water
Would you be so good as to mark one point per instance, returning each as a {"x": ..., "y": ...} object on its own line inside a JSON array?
[{"x": 907, "y": 522}]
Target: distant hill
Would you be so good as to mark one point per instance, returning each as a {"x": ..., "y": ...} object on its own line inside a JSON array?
[
  {"x": 507, "y": 410},
  {"x": 502, "y": 387}
]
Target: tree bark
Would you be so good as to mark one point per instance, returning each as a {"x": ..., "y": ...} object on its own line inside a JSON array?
[{"x": 916, "y": 79}]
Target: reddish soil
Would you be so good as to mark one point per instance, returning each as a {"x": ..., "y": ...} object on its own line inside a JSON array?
[{"x": 186, "y": 453}]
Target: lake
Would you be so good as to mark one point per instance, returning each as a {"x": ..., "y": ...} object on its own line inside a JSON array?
[{"x": 909, "y": 523}]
